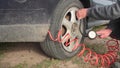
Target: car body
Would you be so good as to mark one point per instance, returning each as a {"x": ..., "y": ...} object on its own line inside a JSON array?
[
  {"x": 30, "y": 21},
  {"x": 25, "y": 21}
]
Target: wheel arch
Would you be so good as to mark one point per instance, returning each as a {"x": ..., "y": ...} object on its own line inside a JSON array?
[{"x": 86, "y": 3}]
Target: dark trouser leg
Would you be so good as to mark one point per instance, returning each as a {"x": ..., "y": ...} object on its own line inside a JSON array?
[{"x": 115, "y": 26}]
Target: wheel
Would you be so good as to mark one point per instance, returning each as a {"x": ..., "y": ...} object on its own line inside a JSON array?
[{"x": 64, "y": 18}]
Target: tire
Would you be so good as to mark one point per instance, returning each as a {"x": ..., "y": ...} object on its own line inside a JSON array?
[{"x": 65, "y": 12}]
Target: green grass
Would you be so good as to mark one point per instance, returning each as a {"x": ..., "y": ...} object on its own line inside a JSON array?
[
  {"x": 21, "y": 65},
  {"x": 48, "y": 63}
]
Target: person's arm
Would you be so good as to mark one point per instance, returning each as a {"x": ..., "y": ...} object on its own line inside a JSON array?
[{"x": 106, "y": 12}]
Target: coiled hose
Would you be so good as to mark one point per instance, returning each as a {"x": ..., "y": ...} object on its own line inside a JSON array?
[{"x": 93, "y": 58}]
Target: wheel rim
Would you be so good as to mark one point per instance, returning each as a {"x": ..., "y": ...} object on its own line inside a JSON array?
[{"x": 70, "y": 25}]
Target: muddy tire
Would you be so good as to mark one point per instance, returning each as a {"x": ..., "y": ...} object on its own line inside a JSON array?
[{"x": 64, "y": 17}]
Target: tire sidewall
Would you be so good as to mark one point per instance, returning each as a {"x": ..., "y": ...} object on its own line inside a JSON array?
[{"x": 56, "y": 22}]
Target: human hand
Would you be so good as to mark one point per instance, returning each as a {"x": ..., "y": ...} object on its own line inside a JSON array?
[
  {"x": 81, "y": 13},
  {"x": 104, "y": 33}
]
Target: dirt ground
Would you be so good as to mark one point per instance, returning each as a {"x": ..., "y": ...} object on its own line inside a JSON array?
[
  {"x": 16, "y": 53},
  {"x": 29, "y": 55}
]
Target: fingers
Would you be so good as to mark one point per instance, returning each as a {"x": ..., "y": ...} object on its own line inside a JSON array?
[
  {"x": 82, "y": 13},
  {"x": 101, "y": 34},
  {"x": 79, "y": 14},
  {"x": 104, "y": 33}
]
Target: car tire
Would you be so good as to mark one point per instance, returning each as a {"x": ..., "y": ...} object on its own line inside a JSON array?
[{"x": 56, "y": 49}]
